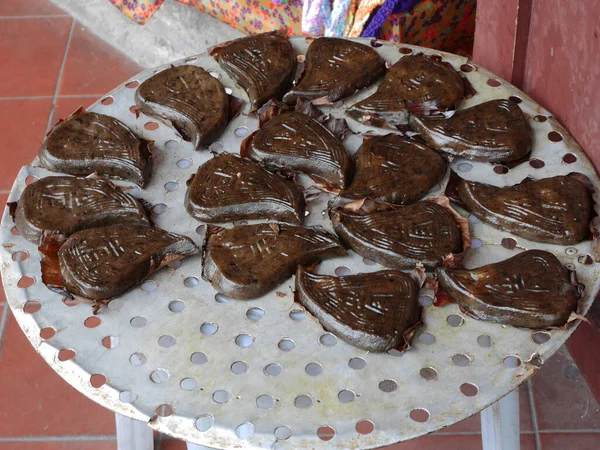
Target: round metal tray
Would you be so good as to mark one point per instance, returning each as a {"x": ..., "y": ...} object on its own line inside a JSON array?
[{"x": 261, "y": 373}]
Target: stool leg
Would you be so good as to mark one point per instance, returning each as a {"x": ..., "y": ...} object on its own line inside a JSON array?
[
  {"x": 500, "y": 424},
  {"x": 191, "y": 446},
  {"x": 133, "y": 434}
]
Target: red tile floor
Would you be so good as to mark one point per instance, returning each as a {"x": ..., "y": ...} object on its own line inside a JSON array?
[{"x": 50, "y": 65}]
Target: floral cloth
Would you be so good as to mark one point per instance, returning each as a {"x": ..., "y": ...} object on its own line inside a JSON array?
[
  {"x": 351, "y": 16},
  {"x": 138, "y": 10},
  {"x": 315, "y": 14},
  {"x": 342, "y": 14},
  {"x": 363, "y": 13},
  {"x": 382, "y": 15},
  {"x": 254, "y": 16},
  {"x": 447, "y": 25},
  {"x": 442, "y": 24},
  {"x": 327, "y": 17}
]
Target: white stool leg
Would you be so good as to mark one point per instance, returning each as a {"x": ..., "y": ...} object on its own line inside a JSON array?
[
  {"x": 133, "y": 434},
  {"x": 191, "y": 446},
  {"x": 500, "y": 424}
]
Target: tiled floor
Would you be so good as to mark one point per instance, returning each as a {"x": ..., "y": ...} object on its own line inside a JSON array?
[{"x": 49, "y": 67}]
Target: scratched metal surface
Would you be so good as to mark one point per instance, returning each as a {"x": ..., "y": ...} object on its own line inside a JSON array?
[{"x": 142, "y": 374}]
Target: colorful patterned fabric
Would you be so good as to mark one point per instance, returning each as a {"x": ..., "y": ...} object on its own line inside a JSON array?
[
  {"x": 326, "y": 17},
  {"x": 351, "y": 16},
  {"x": 384, "y": 13},
  {"x": 315, "y": 14},
  {"x": 447, "y": 25},
  {"x": 342, "y": 12},
  {"x": 363, "y": 13},
  {"x": 254, "y": 16},
  {"x": 138, "y": 10}
]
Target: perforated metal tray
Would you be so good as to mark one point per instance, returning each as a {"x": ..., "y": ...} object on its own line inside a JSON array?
[{"x": 262, "y": 374}]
